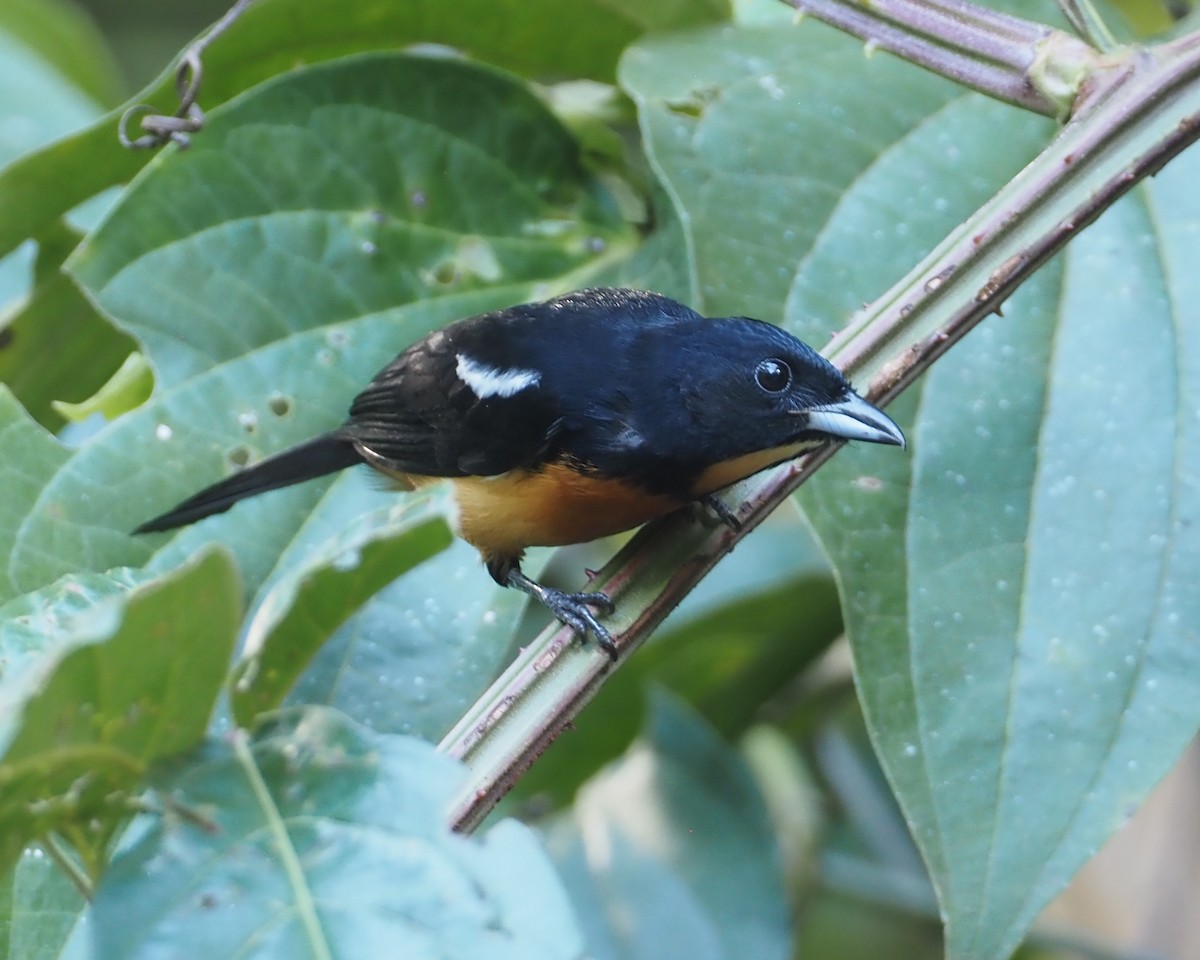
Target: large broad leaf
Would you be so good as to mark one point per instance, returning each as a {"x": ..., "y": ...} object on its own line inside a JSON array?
[
  {"x": 123, "y": 683},
  {"x": 273, "y": 36},
  {"x": 668, "y": 853},
  {"x": 748, "y": 130},
  {"x": 1025, "y": 633},
  {"x": 323, "y": 839}
]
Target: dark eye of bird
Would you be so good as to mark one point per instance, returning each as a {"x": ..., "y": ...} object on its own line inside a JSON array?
[{"x": 773, "y": 375}]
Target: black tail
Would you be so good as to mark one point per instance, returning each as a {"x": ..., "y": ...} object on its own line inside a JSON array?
[{"x": 327, "y": 453}]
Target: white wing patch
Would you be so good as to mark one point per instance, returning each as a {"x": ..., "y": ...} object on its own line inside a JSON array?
[{"x": 486, "y": 381}]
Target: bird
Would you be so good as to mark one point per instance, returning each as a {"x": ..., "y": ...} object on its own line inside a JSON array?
[{"x": 572, "y": 418}]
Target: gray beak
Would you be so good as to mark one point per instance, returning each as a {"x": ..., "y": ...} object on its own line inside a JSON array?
[{"x": 855, "y": 419}]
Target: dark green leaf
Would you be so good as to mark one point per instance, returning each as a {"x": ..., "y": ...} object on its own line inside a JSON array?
[
  {"x": 54, "y": 346},
  {"x": 124, "y": 683},
  {"x": 268, "y": 293},
  {"x": 31, "y": 458},
  {"x": 273, "y": 36},
  {"x": 326, "y": 840}
]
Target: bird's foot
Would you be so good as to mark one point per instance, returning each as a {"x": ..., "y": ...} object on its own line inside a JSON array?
[
  {"x": 573, "y": 609},
  {"x": 723, "y": 511}
]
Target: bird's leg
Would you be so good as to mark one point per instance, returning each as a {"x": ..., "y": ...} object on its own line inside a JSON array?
[
  {"x": 573, "y": 609},
  {"x": 724, "y": 512}
]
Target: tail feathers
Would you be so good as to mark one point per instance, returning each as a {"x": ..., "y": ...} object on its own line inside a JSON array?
[{"x": 327, "y": 453}]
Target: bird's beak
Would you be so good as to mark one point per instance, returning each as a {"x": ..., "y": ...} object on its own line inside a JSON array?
[{"x": 855, "y": 419}]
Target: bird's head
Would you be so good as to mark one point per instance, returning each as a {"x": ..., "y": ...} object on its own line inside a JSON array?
[{"x": 765, "y": 397}]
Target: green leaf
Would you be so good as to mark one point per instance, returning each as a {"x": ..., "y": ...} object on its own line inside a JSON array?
[
  {"x": 37, "y": 102},
  {"x": 998, "y": 651},
  {"x": 31, "y": 458},
  {"x": 669, "y": 852},
  {"x": 39, "y": 908},
  {"x": 306, "y": 604},
  {"x": 416, "y": 657},
  {"x": 746, "y": 127},
  {"x": 64, "y": 35},
  {"x": 54, "y": 346},
  {"x": 273, "y": 36},
  {"x": 125, "y": 390},
  {"x": 326, "y": 840},
  {"x": 122, "y": 684}
]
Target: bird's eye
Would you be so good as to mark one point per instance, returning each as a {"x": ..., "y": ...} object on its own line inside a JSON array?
[{"x": 773, "y": 375}]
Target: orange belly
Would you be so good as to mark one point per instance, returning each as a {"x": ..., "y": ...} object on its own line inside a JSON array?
[{"x": 556, "y": 505}]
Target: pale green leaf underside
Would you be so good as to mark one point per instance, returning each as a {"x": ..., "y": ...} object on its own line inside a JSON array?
[
  {"x": 329, "y": 841},
  {"x": 1020, "y": 607}
]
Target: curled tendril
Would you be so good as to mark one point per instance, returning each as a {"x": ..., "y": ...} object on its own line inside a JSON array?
[{"x": 159, "y": 129}]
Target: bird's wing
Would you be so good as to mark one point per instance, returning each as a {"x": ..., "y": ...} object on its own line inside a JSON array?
[{"x": 435, "y": 412}]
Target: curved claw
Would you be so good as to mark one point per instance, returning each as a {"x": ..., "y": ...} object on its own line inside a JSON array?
[
  {"x": 599, "y": 600},
  {"x": 724, "y": 512},
  {"x": 573, "y": 609}
]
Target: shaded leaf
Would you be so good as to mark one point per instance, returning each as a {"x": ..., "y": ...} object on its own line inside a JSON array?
[
  {"x": 39, "y": 907},
  {"x": 331, "y": 265},
  {"x": 416, "y": 657},
  {"x": 31, "y": 458},
  {"x": 125, "y": 683},
  {"x": 328, "y": 840},
  {"x": 125, "y": 390},
  {"x": 54, "y": 345},
  {"x": 669, "y": 851},
  {"x": 267, "y": 294},
  {"x": 309, "y": 602},
  {"x": 64, "y": 35},
  {"x": 273, "y": 36}
]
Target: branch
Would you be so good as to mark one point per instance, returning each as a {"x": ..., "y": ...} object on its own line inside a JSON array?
[
  {"x": 1133, "y": 116},
  {"x": 1018, "y": 61}
]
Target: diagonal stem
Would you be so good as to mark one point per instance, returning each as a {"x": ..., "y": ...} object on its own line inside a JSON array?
[{"x": 1021, "y": 62}]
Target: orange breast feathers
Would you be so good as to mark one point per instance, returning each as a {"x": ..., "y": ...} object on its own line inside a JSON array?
[{"x": 549, "y": 507}]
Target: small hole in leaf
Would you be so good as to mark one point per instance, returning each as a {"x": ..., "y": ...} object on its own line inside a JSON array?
[
  {"x": 239, "y": 456},
  {"x": 445, "y": 272},
  {"x": 280, "y": 405},
  {"x": 248, "y": 421}
]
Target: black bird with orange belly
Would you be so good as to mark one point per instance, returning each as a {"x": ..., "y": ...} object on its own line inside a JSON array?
[{"x": 567, "y": 420}]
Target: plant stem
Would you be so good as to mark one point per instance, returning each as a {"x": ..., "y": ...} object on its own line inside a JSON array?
[
  {"x": 1018, "y": 61},
  {"x": 1133, "y": 116}
]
